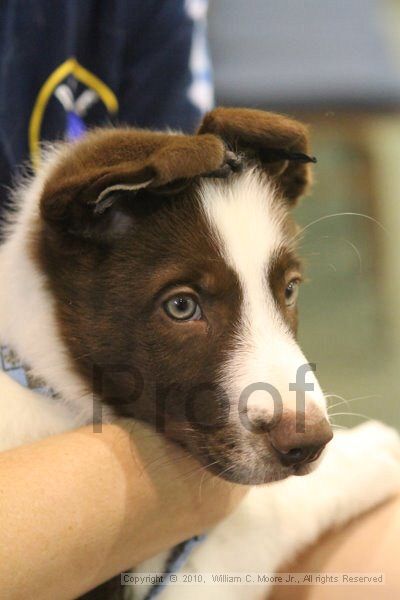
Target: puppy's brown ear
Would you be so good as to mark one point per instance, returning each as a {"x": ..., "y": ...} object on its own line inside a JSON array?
[
  {"x": 82, "y": 194},
  {"x": 279, "y": 144}
]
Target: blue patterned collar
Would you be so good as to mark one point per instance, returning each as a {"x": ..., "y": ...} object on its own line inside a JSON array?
[{"x": 10, "y": 364}]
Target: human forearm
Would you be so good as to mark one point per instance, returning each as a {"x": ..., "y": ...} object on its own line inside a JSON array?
[{"x": 78, "y": 508}]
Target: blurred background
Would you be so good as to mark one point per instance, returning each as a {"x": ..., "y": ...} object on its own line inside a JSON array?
[{"x": 336, "y": 65}]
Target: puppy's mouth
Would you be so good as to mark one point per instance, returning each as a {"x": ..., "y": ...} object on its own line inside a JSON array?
[
  {"x": 256, "y": 471},
  {"x": 242, "y": 462}
]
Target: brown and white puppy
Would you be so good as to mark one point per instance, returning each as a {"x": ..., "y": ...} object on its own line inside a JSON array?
[
  {"x": 156, "y": 275},
  {"x": 181, "y": 291}
]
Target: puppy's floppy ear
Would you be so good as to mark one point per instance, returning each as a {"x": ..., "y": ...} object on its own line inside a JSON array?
[
  {"x": 279, "y": 144},
  {"x": 82, "y": 194}
]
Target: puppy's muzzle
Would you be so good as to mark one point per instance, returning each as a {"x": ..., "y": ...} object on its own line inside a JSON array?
[{"x": 299, "y": 438}]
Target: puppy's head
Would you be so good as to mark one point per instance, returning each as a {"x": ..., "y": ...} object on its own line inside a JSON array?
[{"x": 172, "y": 260}]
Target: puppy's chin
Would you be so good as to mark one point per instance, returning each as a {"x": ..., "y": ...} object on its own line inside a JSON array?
[
  {"x": 259, "y": 474},
  {"x": 248, "y": 469}
]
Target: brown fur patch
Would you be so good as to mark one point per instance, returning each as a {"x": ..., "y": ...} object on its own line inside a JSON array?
[{"x": 261, "y": 135}]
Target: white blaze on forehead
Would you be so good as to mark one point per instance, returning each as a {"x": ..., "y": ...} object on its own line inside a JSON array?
[{"x": 246, "y": 219}]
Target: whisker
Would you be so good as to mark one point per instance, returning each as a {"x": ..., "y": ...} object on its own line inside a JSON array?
[
  {"x": 206, "y": 472},
  {"x": 350, "y": 414},
  {"x": 357, "y": 252},
  {"x": 349, "y": 243},
  {"x": 226, "y": 470},
  {"x": 341, "y": 214},
  {"x": 194, "y": 471},
  {"x": 159, "y": 462},
  {"x": 344, "y": 401}
]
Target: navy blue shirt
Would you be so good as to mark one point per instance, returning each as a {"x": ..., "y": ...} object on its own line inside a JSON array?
[{"x": 66, "y": 65}]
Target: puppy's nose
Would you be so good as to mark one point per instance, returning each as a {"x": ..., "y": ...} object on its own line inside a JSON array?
[
  {"x": 299, "y": 455},
  {"x": 299, "y": 438}
]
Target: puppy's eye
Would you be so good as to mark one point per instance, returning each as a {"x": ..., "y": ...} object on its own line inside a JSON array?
[
  {"x": 292, "y": 292},
  {"x": 183, "y": 308}
]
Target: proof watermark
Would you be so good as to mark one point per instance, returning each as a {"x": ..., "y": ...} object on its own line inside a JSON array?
[
  {"x": 261, "y": 579},
  {"x": 205, "y": 406}
]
